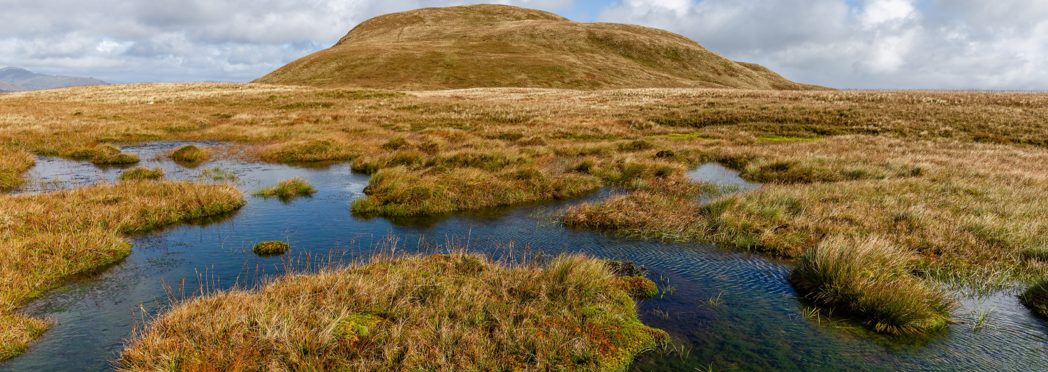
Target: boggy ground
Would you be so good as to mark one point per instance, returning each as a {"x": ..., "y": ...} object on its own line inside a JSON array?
[
  {"x": 454, "y": 312},
  {"x": 954, "y": 181},
  {"x": 49, "y": 237}
]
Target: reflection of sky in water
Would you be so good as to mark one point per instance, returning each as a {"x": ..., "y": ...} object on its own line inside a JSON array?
[{"x": 759, "y": 325}]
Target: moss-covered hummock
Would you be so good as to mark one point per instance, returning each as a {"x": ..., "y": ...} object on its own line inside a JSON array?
[
  {"x": 142, "y": 173},
  {"x": 101, "y": 155},
  {"x": 190, "y": 155},
  {"x": 271, "y": 248},
  {"x": 437, "y": 313},
  {"x": 1036, "y": 298}
]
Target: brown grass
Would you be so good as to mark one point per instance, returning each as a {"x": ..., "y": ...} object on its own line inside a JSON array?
[
  {"x": 955, "y": 178},
  {"x": 50, "y": 237},
  {"x": 504, "y": 46},
  {"x": 453, "y": 312},
  {"x": 13, "y": 163}
]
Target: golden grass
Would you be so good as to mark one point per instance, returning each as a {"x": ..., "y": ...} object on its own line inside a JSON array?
[
  {"x": 956, "y": 178},
  {"x": 287, "y": 189},
  {"x": 190, "y": 155},
  {"x": 505, "y": 46},
  {"x": 50, "y": 237},
  {"x": 13, "y": 163},
  {"x": 870, "y": 279},
  {"x": 453, "y": 312}
]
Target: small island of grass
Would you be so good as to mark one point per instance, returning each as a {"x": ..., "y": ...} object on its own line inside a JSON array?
[
  {"x": 190, "y": 155},
  {"x": 101, "y": 155},
  {"x": 271, "y": 248},
  {"x": 141, "y": 174},
  {"x": 443, "y": 312},
  {"x": 287, "y": 189}
]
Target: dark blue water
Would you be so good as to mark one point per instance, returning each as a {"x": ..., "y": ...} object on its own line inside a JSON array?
[{"x": 726, "y": 310}]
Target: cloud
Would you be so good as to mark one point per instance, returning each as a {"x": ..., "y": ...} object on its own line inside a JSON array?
[
  {"x": 184, "y": 40},
  {"x": 953, "y": 44},
  {"x": 890, "y": 44}
]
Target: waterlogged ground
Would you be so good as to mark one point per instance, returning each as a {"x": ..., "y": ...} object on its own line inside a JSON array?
[{"x": 728, "y": 311}]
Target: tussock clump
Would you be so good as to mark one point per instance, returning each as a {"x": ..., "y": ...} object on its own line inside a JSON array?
[
  {"x": 287, "y": 189},
  {"x": 190, "y": 155},
  {"x": 308, "y": 151},
  {"x": 870, "y": 280},
  {"x": 13, "y": 162},
  {"x": 452, "y": 312},
  {"x": 396, "y": 143},
  {"x": 83, "y": 229},
  {"x": 270, "y": 248},
  {"x": 102, "y": 155},
  {"x": 1036, "y": 298},
  {"x": 141, "y": 174}
]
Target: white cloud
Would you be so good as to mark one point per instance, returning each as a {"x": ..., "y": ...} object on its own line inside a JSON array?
[{"x": 931, "y": 44}]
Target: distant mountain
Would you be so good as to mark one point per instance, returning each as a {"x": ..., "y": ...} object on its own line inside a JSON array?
[
  {"x": 14, "y": 79},
  {"x": 505, "y": 46}
]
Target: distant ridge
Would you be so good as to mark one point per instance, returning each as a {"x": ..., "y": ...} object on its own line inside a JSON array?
[
  {"x": 14, "y": 79},
  {"x": 505, "y": 46}
]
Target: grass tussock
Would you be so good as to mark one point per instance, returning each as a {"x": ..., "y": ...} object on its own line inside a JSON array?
[
  {"x": 871, "y": 280},
  {"x": 47, "y": 238},
  {"x": 142, "y": 174},
  {"x": 1036, "y": 298},
  {"x": 102, "y": 155},
  {"x": 13, "y": 163},
  {"x": 287, "y": 189},
  {"x": 190, "y": 155},
  {"x": 441, "y": 312},
  {"x": 271, "y": 248}
]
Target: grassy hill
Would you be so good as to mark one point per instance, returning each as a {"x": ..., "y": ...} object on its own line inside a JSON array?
[{"x": 505, "y": 46}]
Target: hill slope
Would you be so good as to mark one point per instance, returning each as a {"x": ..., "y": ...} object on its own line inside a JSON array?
[
  {"x": 505, "y": 46},
  {"x": 28, "y": 80}
]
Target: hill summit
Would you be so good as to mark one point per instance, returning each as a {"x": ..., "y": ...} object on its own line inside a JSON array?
[{"x": 504, "y": 46}]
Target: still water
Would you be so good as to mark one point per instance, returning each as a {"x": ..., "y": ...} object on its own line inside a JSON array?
[{"x": 726, "y": 310}]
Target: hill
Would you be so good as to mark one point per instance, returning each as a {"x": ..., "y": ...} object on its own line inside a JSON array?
[
  {"x": 14, "y": 79},
  {"x": 505, "y": 46}
]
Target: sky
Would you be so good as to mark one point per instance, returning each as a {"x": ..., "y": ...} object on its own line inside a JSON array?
[{"x": 846, "y": 44}]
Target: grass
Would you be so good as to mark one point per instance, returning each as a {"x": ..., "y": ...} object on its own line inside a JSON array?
[
  {"x": 871, "y": 280},
  {"x": 440, "y": 312},
  {"x": 190, "y": 155},
  {"x": 1036, "y": 298},
  {"x": 47, "y": 238},
  {"x": 287, "y": 189},
  {"x": 101, "y": 155},
  {"x": 956, "y": 179},
  {"x": 271, "y": 248},
  {"x": 13, "y": 163},
  {"x": 141, "y": 174}
]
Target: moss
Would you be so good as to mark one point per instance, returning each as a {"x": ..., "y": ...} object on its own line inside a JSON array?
[
  {"x": 271, "y": 248},
  {"x": 142, "y": 173},
  {"x": 637, "y": 287}
]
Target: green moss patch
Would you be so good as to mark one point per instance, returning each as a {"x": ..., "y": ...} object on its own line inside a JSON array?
[
  {"x": 270, "y": 248},
  {"x": 287, "y": 189},
  {"x": 190, "y": 155}
]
